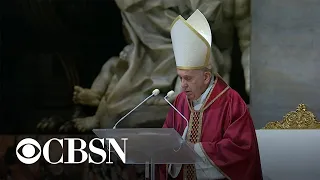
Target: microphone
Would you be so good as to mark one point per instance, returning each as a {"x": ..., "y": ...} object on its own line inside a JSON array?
[
  {"x": 169, "y": 94},
  {"x": 154, "y": 93}
]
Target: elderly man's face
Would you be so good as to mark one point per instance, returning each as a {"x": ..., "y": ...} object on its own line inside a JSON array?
[{"x": 194, "y": 82}]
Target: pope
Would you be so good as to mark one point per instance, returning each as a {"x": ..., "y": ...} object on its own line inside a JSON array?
[{"x": 220, "y": 130}]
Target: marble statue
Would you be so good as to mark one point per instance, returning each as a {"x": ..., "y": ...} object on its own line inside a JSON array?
[{"x": 147, "y": 61}]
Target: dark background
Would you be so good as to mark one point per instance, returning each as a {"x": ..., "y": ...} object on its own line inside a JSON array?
[{"x": 47, "y": 47}]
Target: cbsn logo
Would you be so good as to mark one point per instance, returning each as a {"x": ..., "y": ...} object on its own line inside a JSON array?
[{"x": 29, "y": 155}]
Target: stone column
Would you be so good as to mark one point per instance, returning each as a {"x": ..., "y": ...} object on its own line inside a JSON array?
[{"x": 285, "y": 58}]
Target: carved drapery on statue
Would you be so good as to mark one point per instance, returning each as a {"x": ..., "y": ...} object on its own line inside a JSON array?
[
  {"x": 148, "y": 61},
  {"x": 299, "y": 119}
]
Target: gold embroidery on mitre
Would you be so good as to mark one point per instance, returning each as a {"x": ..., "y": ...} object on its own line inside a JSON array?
[
  {"x": 192, "y": 29},
  {"x": 299, "y": 119},
  {"x": 208, "y": 54}
]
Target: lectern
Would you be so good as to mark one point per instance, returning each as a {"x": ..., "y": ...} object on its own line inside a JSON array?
[{"x": 152, "y": 146}]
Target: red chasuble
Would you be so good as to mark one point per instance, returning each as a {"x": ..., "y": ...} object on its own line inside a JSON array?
[{"x": 224, "y": 130}]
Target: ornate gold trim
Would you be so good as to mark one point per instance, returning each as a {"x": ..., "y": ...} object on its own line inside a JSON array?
[
  {"x": 190, "y": 128},
  {"x": 191, "y": 120},
  {"x": 299, "y": 119},
  {"x": 206, "y": 62}
]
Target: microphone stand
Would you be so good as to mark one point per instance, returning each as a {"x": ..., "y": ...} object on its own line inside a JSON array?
[
  {"x": 154, "y": 93},
  {"x": 186, "y": 129}
]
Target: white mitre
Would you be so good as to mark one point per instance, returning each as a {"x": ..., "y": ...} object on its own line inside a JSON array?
[{"x": 191, "y": 41}]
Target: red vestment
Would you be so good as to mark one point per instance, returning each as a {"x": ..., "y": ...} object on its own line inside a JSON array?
[{"x": 227, "y": 133}]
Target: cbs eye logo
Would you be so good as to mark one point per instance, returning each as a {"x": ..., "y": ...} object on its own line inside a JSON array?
[{"x": 27, "y": 154}]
